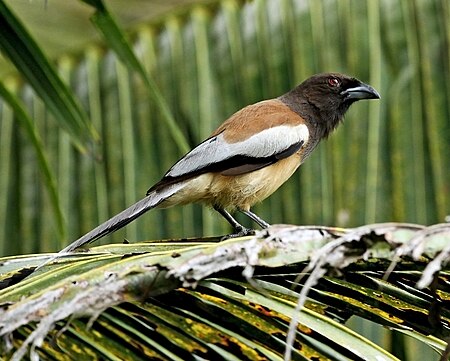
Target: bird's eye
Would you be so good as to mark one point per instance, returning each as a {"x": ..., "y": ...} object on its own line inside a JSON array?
[{"x": 333, "y": 82}]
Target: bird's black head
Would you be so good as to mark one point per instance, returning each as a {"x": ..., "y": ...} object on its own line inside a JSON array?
[{"x": 324, "y": 98}]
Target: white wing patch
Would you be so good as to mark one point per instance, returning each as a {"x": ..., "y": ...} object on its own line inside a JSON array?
[{"x": 267, "y": 143}]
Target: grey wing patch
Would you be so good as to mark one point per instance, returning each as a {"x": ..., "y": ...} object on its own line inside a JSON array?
[
  {"x": 217, "y": 155},
  {"x": 211, "y": 151}
]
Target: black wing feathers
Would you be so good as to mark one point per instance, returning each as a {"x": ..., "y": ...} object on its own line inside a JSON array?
[{"x": 232, "y": 166}]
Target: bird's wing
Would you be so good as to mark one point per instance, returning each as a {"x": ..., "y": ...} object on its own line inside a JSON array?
[{"x": 231, "y": 152}]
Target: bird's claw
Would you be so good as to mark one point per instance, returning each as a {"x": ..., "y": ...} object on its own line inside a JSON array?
[{"x": 240, "y": 232}]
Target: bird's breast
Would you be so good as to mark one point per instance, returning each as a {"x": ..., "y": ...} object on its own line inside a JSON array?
[{"x": 244, "y": 190}]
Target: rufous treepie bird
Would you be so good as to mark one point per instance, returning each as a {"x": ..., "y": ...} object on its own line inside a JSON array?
[{"x": 250, "y": 155}]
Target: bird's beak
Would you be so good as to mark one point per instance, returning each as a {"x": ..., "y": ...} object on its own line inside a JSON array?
[{"x": 363, "y": 91}]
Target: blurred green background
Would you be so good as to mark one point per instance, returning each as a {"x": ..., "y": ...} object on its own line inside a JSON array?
[
  {"x": 71, "y": 158},
  {"x": 387, "y": 162}
]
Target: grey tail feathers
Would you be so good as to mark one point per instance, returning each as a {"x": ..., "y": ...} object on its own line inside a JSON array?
[
  {"x": 123, "y": 218},
  {"x": 113, "y": 224},
  {"x": 120, "y": 220}
]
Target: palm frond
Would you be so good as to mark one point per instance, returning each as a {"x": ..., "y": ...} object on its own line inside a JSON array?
[
  {"x": 240, "y": 298},
  {"x": 17, "y": 43}
]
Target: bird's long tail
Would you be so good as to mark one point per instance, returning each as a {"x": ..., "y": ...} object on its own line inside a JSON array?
[{"x": 123, "y": 218}]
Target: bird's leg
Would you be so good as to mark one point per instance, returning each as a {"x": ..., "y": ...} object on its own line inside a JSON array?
[
  {"x": 239, "y": 229},
  {"x": 261, "y": 222}
]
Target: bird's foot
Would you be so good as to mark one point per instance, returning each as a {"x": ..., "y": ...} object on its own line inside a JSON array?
[{"x": 239, "y": 232}]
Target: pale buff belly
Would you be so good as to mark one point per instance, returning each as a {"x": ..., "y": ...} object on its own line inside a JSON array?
[{"x": 231, "y": 192}]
